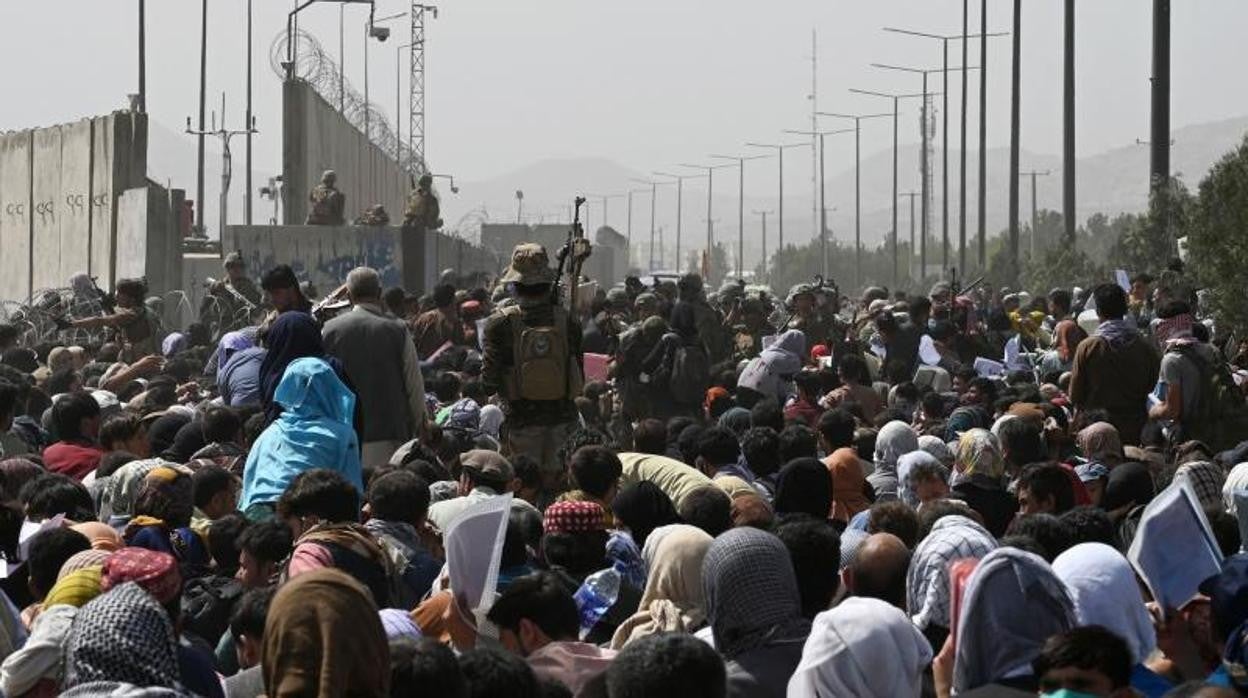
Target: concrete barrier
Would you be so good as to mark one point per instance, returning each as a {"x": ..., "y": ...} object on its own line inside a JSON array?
[
  {"x": 59, "y": 188},
  {"x": 315, "y": 138},
  {"x": 15, "y": 214}
]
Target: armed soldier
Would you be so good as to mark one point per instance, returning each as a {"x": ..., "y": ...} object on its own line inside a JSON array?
[
  {"x": 328, "y": 204},
  {"x": 230, "y": 301},
  {"x": 422, "y": 206},
  {"x": 533, "y": 361}
]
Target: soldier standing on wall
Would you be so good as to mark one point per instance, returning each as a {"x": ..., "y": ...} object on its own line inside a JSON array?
[
  {"x": 328, "y": 203},
  {"x": 422, "y": 206}
]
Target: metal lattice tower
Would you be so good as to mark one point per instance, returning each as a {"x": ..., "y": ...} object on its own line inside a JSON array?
[{"x": 416, "y": 90}]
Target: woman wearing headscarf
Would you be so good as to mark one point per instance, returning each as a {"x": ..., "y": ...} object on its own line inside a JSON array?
[
  {"x": 952, "y": 538},
  {"x": 850, "y": 645},
  {"x": 324, "y": 638},
  {"x": 1061, "y": 358},
  {"x": 313, "y": 431},
  {"x": 41, "y": 660},
  {"x": 1012, "y": 603},
  {"x": 978, "y": 480},
  {"x": 1099, "y": 442},
  {"x": 907, "y": 489},
  {"x": 848, "y": 483},
  {"x": 755, "y": 611},
  {"x": 238, "y": 368},
  {"x": 804, "y": 487},
  {"x": 937, "y": 448},
  {"x": 1103, "y": 587},
  {"x": 162, "y": 520},
  {"x": 673, "y": 600},
  {"x": 895, "y": 440},
  {"x": 642, "y": 507},
  {"x": 770, "y": 374},
  {"x": 121, "y": 641},
  {"x": 291, "y": 337},
  {"x": 1236, "y": 481}
]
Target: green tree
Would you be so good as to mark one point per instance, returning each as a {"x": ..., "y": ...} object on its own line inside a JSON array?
[
  {"x": 1217, "y": 238},
  {"x": 1149, "y": 242}
]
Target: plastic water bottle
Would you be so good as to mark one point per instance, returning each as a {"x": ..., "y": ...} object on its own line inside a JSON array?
[{"x": 595, "y": 597}]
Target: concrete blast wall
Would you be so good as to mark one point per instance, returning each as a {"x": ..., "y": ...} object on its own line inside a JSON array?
[
  {"x": 404, "y": 257},
  {"x": 59, "y": 189},
  {"x": 315, "y": 138}
]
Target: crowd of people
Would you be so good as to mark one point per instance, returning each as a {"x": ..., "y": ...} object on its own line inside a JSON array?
[{"x": 709, "y": 494}]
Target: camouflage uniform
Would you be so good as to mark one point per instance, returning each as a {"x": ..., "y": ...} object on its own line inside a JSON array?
[
  {"x": 533, "y": 427},
  {"x": 374, "y": 216},
  {"x": 422, "y": 206},
  {"x": 328, "y": 204}
]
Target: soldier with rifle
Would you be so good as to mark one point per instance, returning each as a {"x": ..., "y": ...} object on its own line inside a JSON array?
[{"x": 532, "y": 356}]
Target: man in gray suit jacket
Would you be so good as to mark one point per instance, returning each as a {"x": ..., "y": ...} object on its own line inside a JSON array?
[{"x": 379, "y": 357}]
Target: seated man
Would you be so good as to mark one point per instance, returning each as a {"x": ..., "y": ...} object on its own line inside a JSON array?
[{"x": 537, "y": 619}]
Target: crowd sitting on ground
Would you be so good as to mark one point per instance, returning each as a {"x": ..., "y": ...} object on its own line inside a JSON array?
[{"x": 710, "y": 495}]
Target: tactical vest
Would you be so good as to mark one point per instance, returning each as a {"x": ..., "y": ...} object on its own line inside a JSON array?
[{"x": 543, "y": 368}]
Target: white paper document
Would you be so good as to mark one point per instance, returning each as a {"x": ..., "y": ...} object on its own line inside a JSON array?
[
  {"x": 1174, "y": 548},
  {"x": 474, "y": 546}
]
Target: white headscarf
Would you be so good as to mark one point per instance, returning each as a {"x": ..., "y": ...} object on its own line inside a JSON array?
[
  {"x": 1013, "y": 603},
  {"x": 1236, "y": 481},
  {"x": 1102, "y": 586},
  {"x": 491, "y": 420},
  {"x": 864, "y": 648}
]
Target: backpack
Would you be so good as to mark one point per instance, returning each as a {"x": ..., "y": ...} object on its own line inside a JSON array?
[
  {"x": 1221, "y": 415},
  {"x": 690, "y": 374},
  {"x": 543, "y": 367},
  {"x": 207, "y": 604}
]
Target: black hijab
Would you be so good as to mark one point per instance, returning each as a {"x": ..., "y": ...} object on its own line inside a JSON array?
[
  {"x": 643, "y": 507},
  {"x": 804, "y": 486}
]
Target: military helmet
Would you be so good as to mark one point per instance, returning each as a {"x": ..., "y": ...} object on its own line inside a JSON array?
[{"x": 530, "y": 265}]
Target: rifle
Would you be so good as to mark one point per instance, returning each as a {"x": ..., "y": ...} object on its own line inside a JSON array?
[{"x": 578, "y": 248}]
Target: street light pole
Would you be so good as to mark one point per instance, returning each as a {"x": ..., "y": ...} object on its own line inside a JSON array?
[
  {"x": 1068, "y": 123},
  {"x": 1015, "y": 96},
  {"x": 823, "y": 202},
  {"x": 910, "y": 257},
  {"x": 896, "y": 99},
  {"x": 857, "y": 118},
  {"x": 250, "y": 121},
  {"x": 764, "y": 214},
  {"x": 203, "y": 101},
  {"x": 680, "y": 206},
  {"x": 1035, "y": 215},
  {"x": 780, "y": 152},
  {"x": 740, "y": 160},
  {"x": 983, "y": 135}
]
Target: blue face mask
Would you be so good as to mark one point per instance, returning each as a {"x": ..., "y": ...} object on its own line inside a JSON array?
[{"x": 1067, "y": 693}]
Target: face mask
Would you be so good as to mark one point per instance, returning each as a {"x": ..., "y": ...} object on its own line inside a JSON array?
[{"x": 1067, "y": 693}]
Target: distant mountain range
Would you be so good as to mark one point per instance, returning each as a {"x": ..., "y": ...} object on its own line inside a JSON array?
[{"x": 1111, "y": 182}]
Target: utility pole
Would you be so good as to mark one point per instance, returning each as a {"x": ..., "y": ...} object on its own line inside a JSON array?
[
  {"x": 857, "y": 118},
  {"x": 896, "y": 99},
  {"x": 143, "y": 56},
  {"x": 944, "y": 179},
  {"x": 823, "y": 193},
  {"x": 740, "y": 160},
  {"x": 680, "y": 206},
  {"x": 764, "y": 215},
  {"x": 1068, "y": 123},
  {"x": 780, "y": 152},
  {"x": 1159, "y": 156},
  {"x": 815, "y": 162},
  {"x": 1035, "y": 214},
  {"x": 962, "y": 155},
  {"x": 910, "y": 257},
  {"x": 983, "y": 135},
  {"x": 1015, "y": 96},
  {"x": 227, "y": 159},
  {"x": 203, "y": 106},
  {"x": 250, "y": 121},
  {"x": 710, "y": 188}
]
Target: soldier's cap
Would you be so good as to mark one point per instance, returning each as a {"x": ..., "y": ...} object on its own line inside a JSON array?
[
  {"x": 801, "y": 290},
  {"x": 425, "y": 180},
  {"x": 490, "y": 464},
  {"x": 328, "y": 174},
  {"x": 233, "y": 259},
  {"x": 279, "y": 277},
  {"x": 646, "y": 300},
  {"x": 617, "y": 296},
  {"x": 530, "y": 266}
]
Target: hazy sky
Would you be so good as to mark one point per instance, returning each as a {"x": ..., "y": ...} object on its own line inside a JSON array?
[{"x": 648, "y": 83}]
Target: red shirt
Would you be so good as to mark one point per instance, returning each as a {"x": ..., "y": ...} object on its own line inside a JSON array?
[{"x": 74, "y": 460}]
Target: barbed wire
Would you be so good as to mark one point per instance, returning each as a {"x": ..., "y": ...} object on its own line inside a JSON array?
[{"x": 314, "y": 66}]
